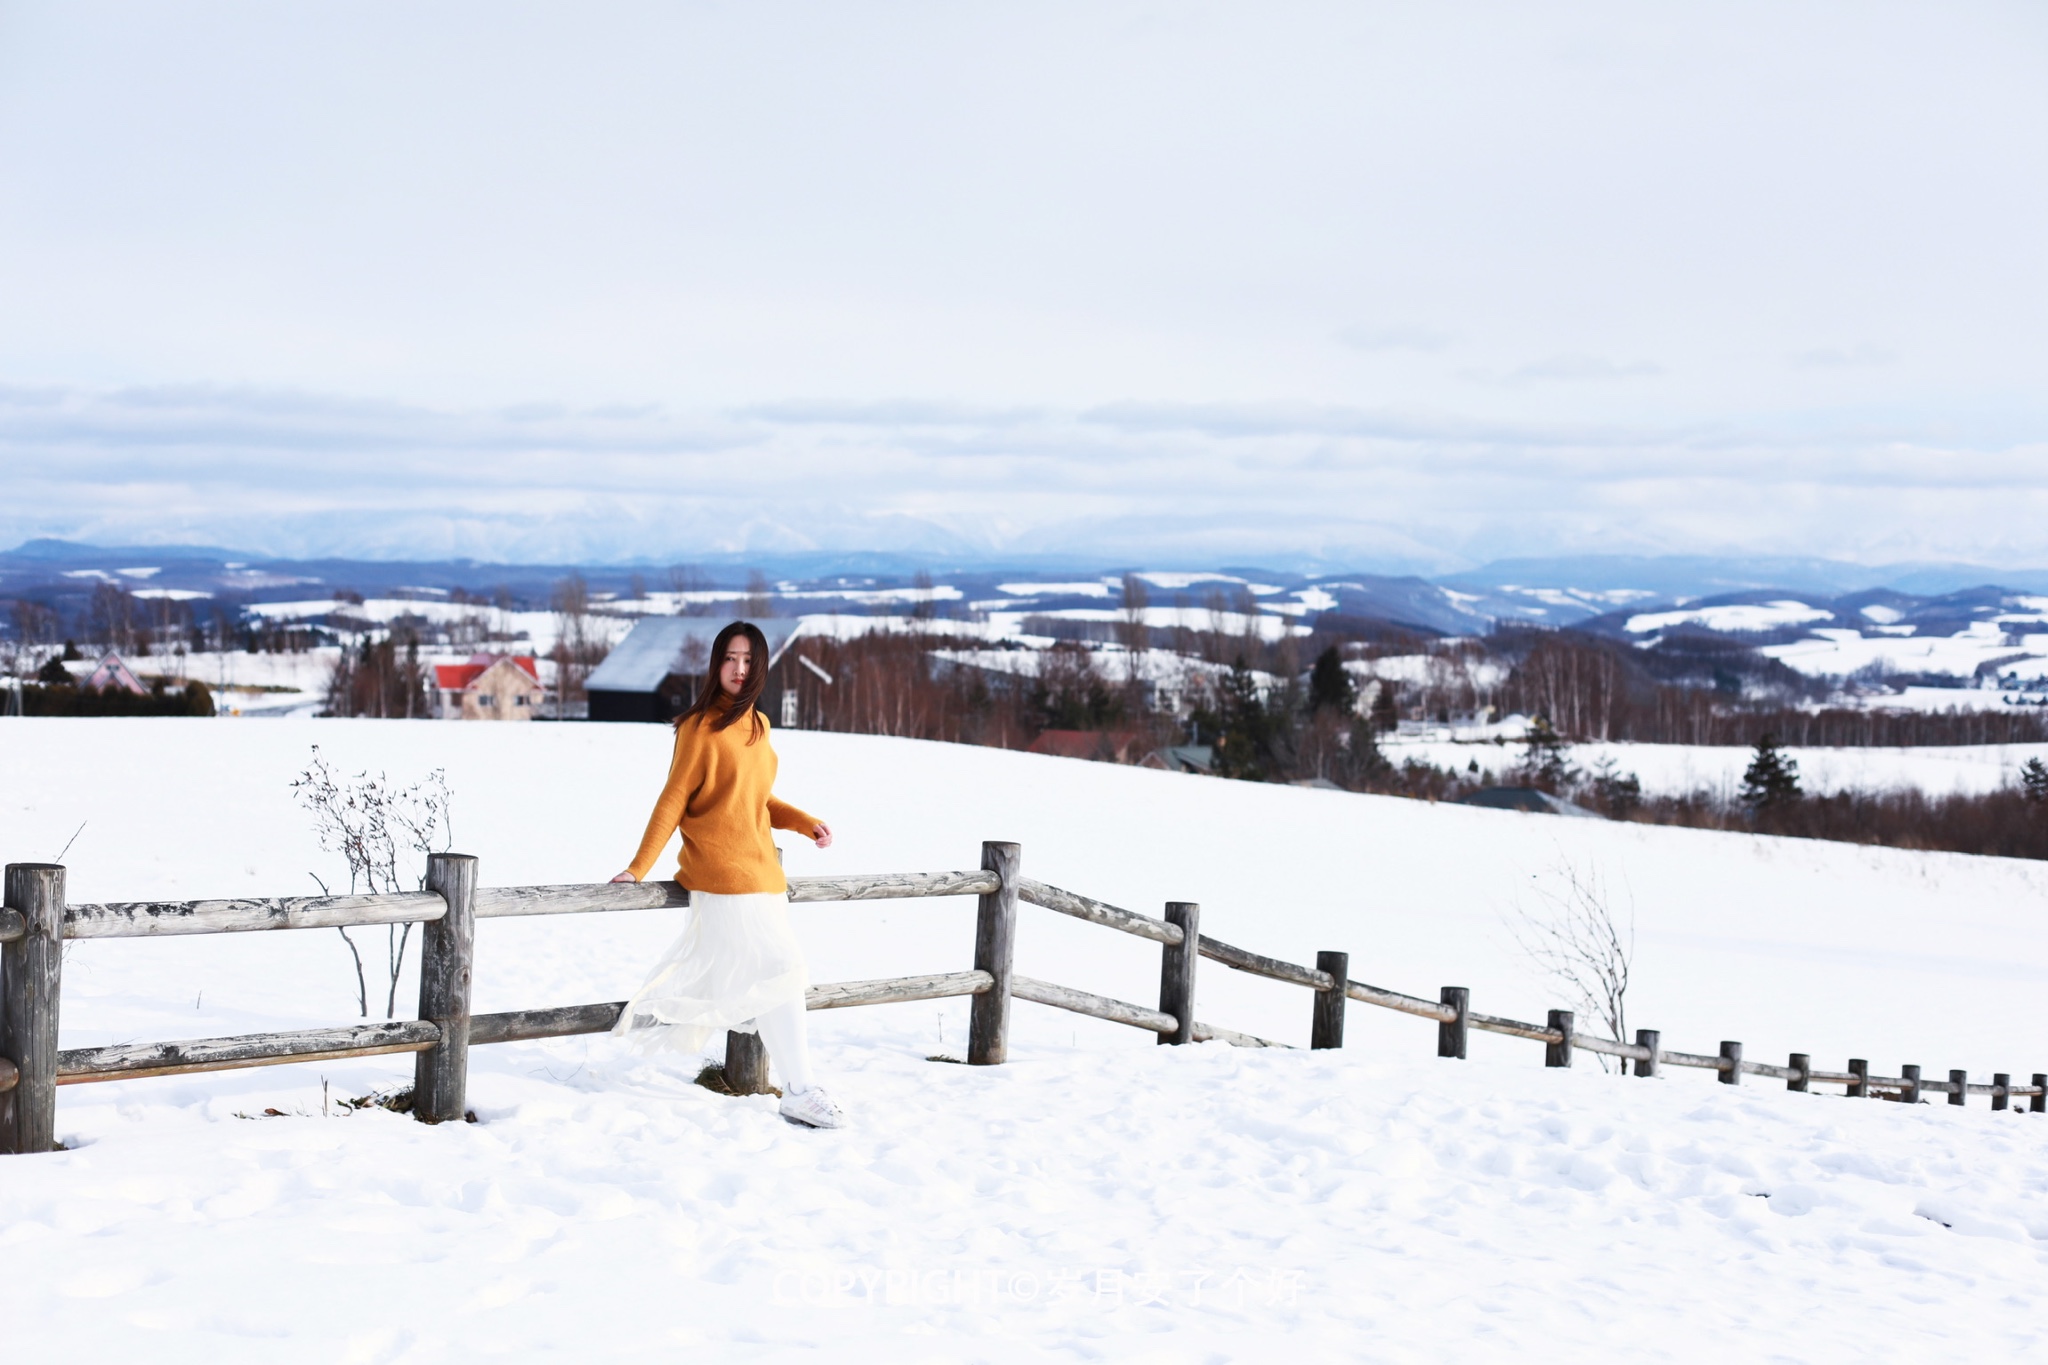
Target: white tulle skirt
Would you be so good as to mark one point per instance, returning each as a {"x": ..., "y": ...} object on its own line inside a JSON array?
[{"x": 737, "y": 957}]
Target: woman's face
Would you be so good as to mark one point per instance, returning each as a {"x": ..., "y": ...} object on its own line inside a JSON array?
[{"x": 735, "y": 666}]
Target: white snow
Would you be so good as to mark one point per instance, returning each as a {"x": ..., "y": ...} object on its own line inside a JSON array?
[
  {"x": 1752, "y": 616},
  {"x": 1680, "y": 769},
  {"x": 1097, "y": 588},
  {"x": 1099, "y": 1197},
  {"x": 1837, "y": 653}
]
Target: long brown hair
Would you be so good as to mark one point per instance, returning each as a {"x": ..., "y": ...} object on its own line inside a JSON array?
[{"x": 711, "y": 700}]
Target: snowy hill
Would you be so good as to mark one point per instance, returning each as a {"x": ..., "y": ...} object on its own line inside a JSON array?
[{"x": 1098, "y": 1197}]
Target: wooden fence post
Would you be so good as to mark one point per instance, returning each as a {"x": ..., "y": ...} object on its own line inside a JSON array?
[
  {"x": 30, "y": 983},
  {"x": 1860, "y": 1087},
  {"x": 2037, "y": 1103},
  {"x": 1649, "y": 1038},
  {"x": 2001, "y": 1084},
  {"x": 1959, "y": 1087},
  {"x": 440, "y": 1075},
  {"x": 1177, "y": 970},
  {"x": 1450, "y": 1034},
  {"x": 1911, "y": 1094},
  {"x": 995, "y": 942},
  {"x": 1801, "y": 1067},
  {"x": 1559, "y": 1053},
  {"x": 1326, "y": 1024},
  {"x": 1731, "y": 1053},
  {"x": 746, "y": 1063}
]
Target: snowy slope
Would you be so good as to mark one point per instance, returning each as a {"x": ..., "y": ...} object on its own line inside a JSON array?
[{"x": 1378, "y": 1203}]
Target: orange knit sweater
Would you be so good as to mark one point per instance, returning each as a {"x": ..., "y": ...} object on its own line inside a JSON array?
[{"x": 720, "y": 792}]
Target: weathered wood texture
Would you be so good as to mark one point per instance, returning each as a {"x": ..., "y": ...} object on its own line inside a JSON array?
[
  {"x": 1859, "y": 1082},
  {"x": 884, "y": 886},
  {"x": 1230, "y": 956},
  {"x": 440, "y": 1077},
  {"x": 566, "y": 1021},
  {"x": 1097, "y": 1006},
  {"x": 10, "y": 1075},
  {"x": 1095, "y": 912},
  {"x": 1177, "y": 962},
  {"x": 1559, "y": 1053},
  {"x": 1731, "y": 1063},
  {"x": 1958, "y": 1087},
  {"x": 2001, "y": 1090},
  {"x": 1394, "y": 1000},
  {"x": 1326, "y": 1013},
  {"x": 151, "y": 919},
  {"x": 1209, "y": 1032},
  {"x": 995, "y": 944},
  {"x": 577, "y": 898},
  {"x": 1587, "y": 1042},
  {"x": 1450, "y": 1033},
  {"x": 1910, "y": 1092},
  {"x": 1649, "y": 1054},
  {"x": 131, "y": 1060},
  {"x": 894, "y": 989},
  {"x": 746, "y": 1063},
  {"x": 1514, "y": 1028},
  {"x": 31, "y": 970},
  {"x": 12, "y": 925},
  {"x": 1802, "y": 1072}
]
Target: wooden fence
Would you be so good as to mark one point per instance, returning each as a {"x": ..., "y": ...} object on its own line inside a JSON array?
[{"x": 36, "y": 921}]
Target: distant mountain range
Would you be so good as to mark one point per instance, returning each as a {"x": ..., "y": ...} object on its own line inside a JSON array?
[{"x": 1603, "y": 593}]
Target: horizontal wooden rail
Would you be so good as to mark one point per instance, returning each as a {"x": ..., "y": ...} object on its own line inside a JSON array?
[
  {"x": 890, "y": 990},
  {"x": 1394, "y": 1000},
  {"x": 1514, "y": 1028},
  {"x": 127, "y": 1061},
  {"x": 885, "y": 886},
  {"x": 151, "y": 919},
  {"x": 577, "y": 898},
  {"x": 1216, "y": 950},
  {"x": 1205, "y": 1033},
  {"x": 1096, "y": 1006},
  {"x": 1096, "y": 912},
  {"x": 148, "y": 919}
]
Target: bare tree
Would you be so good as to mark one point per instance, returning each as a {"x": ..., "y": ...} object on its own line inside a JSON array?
[
  {"x": 371, "y": 822},
  {"x": 1572, "y": 936}
]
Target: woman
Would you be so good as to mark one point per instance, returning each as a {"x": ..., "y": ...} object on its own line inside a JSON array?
[{"x": 737, "y": 965}]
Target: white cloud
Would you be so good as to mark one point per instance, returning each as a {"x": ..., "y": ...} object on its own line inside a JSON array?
[{"x": 1209, "y": 280}]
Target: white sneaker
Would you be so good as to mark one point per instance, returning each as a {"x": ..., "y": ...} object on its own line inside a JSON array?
[{"x": 813, "y": 1108}]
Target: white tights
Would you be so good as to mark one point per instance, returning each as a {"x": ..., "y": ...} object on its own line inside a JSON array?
[{"x": 785, "y": 1033}]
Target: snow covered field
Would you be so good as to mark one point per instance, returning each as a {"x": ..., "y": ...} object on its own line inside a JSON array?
[
  {"x": 1099, "y": 1197},
  {"x": 1679, "y": 769}
]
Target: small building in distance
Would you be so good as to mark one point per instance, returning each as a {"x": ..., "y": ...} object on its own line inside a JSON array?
[
  {"x": 111, "y": 675},
  {"x": 653, "y": 674},
  {"x": 489, "y": 687}
]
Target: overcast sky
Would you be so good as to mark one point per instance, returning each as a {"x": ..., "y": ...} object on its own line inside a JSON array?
[{"x": 1405, "y": 285}]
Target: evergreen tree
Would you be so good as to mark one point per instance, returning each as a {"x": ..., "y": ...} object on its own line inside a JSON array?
[
  {"x": 1329, "y": 686},
  {"x": 1386, "y": 712},
  {"x": 1771, "y": 783},
  {"x": 1544, "y": 761},
  {"x": 2034, "y": 780}
]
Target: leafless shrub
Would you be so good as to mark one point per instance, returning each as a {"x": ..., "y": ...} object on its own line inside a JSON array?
[
  {"x": 370, "y": 822},
  {"x": 1572, "y": 935}
]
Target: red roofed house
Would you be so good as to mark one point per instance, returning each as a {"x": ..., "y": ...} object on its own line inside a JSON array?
[{"x": 490, "y": 687}]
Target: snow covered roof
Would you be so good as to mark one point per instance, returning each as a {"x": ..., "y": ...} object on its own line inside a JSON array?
[{"x": 654, "y": 648}]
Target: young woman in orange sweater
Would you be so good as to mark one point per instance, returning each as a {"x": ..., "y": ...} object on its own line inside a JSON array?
[{"x": 737, "y": 964}]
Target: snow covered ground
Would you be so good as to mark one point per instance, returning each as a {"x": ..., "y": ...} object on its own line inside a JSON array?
[
  {"x": 1099, "y": 1197},
  {"x": 1679, "y": 769}
]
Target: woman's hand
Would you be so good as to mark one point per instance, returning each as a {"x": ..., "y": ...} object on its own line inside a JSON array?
[
  {"x": 625, "y": 877},
  {"x": 821, "y": 835}
]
